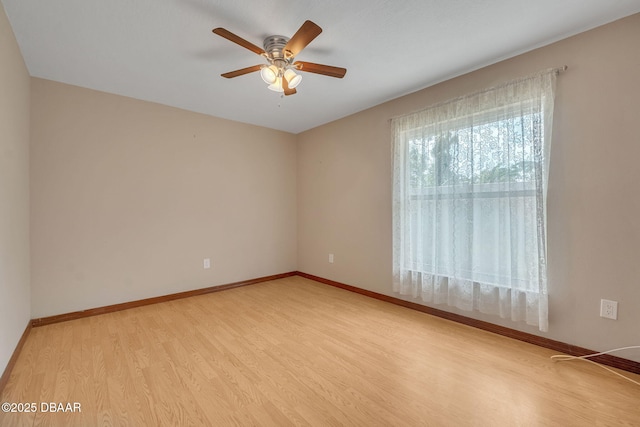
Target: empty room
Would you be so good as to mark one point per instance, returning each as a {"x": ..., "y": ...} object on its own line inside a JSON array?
[{"x": 319, "y": 213}]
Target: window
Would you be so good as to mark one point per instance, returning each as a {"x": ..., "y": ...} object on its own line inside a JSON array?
[{"x": 470, "y": 178}]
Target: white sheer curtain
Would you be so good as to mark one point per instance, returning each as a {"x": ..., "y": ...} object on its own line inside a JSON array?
[{"x": 469, "y": 200}]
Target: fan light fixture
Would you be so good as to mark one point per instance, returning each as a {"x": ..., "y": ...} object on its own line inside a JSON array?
[{"x": 272, "y": 76}]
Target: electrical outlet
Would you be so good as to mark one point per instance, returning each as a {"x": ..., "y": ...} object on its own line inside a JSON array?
[
  {"x": 207, "y": 263},
  {"x": 609, "y": 309},
  {"x": 331, "y": 258}
]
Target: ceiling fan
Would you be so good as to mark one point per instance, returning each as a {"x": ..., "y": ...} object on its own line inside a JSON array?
[{"x": 280, "y": 52}]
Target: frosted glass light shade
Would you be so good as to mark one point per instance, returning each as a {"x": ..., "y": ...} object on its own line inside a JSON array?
[
  {"x": 293, "y": 79},
  {"x": 277, "y": 85},
  {"x": 269, "y": 74}
]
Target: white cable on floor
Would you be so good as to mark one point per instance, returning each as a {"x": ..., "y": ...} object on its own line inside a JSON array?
[{"x": 563, "y": 357}]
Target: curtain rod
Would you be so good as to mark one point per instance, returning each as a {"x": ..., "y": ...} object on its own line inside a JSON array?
[{"x": 557, "y": 71}]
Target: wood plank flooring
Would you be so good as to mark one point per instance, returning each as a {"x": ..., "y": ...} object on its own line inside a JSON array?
[{"x": 297, "y": 352}]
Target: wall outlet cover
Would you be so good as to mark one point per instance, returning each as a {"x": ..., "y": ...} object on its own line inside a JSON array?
[{"x": 609, "y": 309}]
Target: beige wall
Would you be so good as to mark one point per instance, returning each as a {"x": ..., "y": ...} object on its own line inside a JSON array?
[
  {"x": 14, "y": 193},
  {"x": 344, "y": 186},
  {"x": 129, "y": 197}
]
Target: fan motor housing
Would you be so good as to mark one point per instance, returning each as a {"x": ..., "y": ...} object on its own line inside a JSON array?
[{"x": 274, "y": 46}]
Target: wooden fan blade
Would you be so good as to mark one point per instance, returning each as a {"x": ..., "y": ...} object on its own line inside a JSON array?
[
  {"x": 287, "y": 90},
  {"x": 305, "y": 34},
  {"x": 238, "y": 40},
  {"x": 236, "y": 73},
  {"x": 325, "y": 70}
]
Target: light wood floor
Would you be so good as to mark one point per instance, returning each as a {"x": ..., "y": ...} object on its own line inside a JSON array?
[{"x": 296, "y": 352}]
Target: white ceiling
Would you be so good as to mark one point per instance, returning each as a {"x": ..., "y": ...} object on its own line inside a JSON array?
[{"x": 164, "y": 51}]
